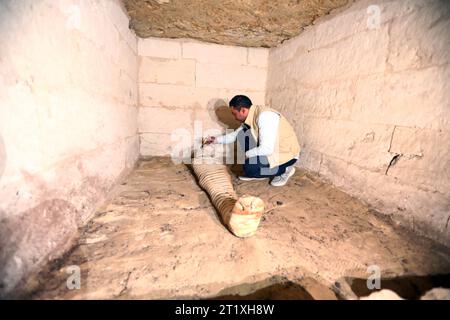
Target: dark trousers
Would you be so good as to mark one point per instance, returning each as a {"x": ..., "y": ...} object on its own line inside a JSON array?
[{"x": 258, "y": 167}]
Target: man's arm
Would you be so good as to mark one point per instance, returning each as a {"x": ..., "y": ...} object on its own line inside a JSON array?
[
  {"x": 226, "y": 138},
  {"x": 268, "y": 123}
]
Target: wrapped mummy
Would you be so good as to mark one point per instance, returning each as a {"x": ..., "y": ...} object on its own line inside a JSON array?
[{"x": 240, "y": 214}]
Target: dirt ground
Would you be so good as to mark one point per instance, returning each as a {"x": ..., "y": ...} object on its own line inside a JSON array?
[{"x": 159, "y": 237}]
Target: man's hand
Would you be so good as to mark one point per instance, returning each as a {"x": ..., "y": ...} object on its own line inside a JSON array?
[{"x": 209, "y": 140}]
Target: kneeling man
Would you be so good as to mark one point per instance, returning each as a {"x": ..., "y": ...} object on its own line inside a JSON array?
[{"x": 270, "y": 144}]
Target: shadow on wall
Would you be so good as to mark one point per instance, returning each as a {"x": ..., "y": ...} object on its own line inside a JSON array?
[
  {"x": 219, "y": 111},
  {"x": 29, "y": 238}
]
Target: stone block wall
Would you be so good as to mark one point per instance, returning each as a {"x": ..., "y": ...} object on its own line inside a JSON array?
[
  {"x": 367, "y": 89},
  {"x": 68, "y": 123},
  {"x": 185, "y": 85}
]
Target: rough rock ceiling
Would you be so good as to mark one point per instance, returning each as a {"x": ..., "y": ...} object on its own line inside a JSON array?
[{"x": 251, "y": 23}]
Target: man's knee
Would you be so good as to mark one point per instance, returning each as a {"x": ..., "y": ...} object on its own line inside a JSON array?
[
  {"x": 257, "y": 167},
  {"x": 252, "y": 170}
]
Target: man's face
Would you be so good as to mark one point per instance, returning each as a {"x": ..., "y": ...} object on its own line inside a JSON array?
[{"x": 239, "y": 115}]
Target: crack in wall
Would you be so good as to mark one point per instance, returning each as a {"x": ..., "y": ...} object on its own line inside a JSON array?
[{"x": 393, "y": 162}]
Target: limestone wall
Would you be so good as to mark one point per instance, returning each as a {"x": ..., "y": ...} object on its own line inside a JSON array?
[
  {"x": 371, "y": 106},
  {"x": 186, "y": 82},
  {"x": 68, "y": 122}
]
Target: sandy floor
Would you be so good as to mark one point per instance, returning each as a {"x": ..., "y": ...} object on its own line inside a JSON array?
[{"x": 159, "y": 237}]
